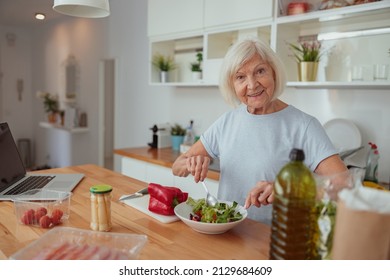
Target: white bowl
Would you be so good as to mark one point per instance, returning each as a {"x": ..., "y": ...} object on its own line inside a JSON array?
[{"x": 183, "y": 211}]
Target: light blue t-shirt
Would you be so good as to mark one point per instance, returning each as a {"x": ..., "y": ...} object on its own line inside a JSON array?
[{"x": 254, "y": 148}]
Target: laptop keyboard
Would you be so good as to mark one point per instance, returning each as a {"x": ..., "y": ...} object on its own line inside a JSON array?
[{"x": 32, "y": 182}]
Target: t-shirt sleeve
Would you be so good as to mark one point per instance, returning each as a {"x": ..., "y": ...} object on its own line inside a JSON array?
[
  {"x": 317, "y": 144},
  {"x": 210, "y": 137}
]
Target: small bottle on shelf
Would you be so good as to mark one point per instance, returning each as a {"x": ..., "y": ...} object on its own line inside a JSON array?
[
  {"x": 372, "y": 164},
  {"x": 189, "y": 138}
]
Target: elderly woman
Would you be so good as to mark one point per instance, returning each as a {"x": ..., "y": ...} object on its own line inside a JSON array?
[{"x": 253, "y": 141}]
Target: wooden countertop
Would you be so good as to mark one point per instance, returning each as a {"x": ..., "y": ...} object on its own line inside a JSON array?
[
  {"x": 165, "y": 241},
  {"x": 164, "y": 157}
]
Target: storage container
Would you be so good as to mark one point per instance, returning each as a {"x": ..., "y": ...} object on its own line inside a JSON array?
[{"x": 42, "y": 208}]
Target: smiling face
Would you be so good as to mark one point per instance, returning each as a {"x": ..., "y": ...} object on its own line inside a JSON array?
[{"x": 254, "y": 84}]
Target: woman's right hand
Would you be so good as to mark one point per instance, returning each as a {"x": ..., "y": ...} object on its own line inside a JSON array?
[
  {"x": 198, "y": 166},
  {"x": 195, "y": 161}
]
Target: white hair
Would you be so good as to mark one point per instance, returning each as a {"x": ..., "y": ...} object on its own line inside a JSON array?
[{"x": 240, "y": 53}]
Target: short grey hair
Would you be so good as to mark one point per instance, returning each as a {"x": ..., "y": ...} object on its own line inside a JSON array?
[{"x": 238, "y": 55}]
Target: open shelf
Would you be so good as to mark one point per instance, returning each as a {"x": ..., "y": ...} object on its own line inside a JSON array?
[
  {"x": 340, "y": 85},
  {"x": 58, "y": 126},
  {"x": 356, "y": 28}
]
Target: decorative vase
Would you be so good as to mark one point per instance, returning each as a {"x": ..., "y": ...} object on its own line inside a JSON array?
[
  {"x": 52, "y": 117},
  {"x": 177, "y": 140},
  {"x": 163, "y": 76},
  {"x": 307, "y": 71},
  {"x": 196, "y": 76}
]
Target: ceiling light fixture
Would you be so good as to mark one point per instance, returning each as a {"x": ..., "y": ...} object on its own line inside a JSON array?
[
  {"x": 83, "y": 8},
  {"x": 40, "y": 16}
]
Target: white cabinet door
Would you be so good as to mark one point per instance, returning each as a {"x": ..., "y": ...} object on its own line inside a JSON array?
[
  {"x": 174, "y": 16},
  {"x": 134, "y": 168},
  {"x": 228, "y": 12},
  {"x": 159, "y": 175}
]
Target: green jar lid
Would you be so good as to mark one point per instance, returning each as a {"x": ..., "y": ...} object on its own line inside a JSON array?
[{"x": 100, "y": 189}]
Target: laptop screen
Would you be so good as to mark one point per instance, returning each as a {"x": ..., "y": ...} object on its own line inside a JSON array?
[{"x": 11, "y": 165}]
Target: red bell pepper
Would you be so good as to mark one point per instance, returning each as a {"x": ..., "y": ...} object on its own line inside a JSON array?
[{"x": 164, "y": 199}]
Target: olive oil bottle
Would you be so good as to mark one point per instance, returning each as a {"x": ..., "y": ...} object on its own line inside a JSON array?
[{"x": 294, "y": 226}]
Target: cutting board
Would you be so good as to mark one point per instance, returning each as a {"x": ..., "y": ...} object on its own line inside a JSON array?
[{"x": 141, "y": 204}]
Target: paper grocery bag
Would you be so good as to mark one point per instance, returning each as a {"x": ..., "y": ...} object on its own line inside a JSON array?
[{"x": 362, "y": 229}]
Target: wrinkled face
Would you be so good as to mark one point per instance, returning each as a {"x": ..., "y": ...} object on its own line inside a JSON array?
[{"x": 254, "y": 85}]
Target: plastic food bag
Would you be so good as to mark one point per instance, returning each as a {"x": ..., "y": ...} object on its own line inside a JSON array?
[{"x": 328, "y": 188}]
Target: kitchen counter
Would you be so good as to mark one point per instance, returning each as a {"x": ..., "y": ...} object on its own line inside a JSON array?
[
  {"x": 172, "y": 241},
  {"x": 164, "y": 157}
]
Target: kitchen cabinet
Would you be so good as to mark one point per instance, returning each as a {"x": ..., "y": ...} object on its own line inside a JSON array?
[
  {"x": 153, "y": 173},
  {"x": 134, "y": 168},
  {"x": 184, "y": 51},
  {"x": 216, "y": 34},
  {"x": 63, "y": 145},
  {"x": 357, "y": 35},
  {"x": 236, "y": 13},
  {"x": 174, "y": 17},
  {"x": 362, "y": 27}
]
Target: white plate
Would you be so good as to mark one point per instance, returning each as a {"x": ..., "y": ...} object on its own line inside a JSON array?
[
  {"x": 344, "y": 134},
  {"x": 183, "y": 211}
]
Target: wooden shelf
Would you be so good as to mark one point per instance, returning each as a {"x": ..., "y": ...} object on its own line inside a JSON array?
[{"x": 60, "y": 127}]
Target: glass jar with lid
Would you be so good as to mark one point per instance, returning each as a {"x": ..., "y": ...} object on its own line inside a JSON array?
[{"x": 101, "y": 207}]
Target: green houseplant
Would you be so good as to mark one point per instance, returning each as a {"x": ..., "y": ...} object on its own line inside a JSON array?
[
  {"x": 197, "y": 66},
  {"x": 50, "y": 104},
  {"x": 307, "y": 51},
  {"x": 307, "y": 54},
  {"x": 164, "y": 64},
  {"x": 177, "y": 130},
  {"x": 177, "y": 136}
]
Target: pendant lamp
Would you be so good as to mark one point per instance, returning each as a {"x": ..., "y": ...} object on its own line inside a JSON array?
[{"x": 83, "y": 8}]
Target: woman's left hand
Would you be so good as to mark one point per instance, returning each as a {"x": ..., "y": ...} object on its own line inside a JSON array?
[{"x": 261, "y": 194}]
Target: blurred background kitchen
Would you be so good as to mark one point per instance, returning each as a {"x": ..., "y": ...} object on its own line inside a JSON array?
[{"x": 101, "y": 69}]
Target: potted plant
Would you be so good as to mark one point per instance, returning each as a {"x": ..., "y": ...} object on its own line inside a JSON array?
[
  {"x": 196, "y": 67},
  {"x": 177, "y": 136},
  {"x": 307, "y": 54},
  {"x": 164, "y": 64},
  {"x": 50, "y": 104}
]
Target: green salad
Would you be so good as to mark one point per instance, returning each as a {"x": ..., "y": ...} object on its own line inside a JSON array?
[{"x": 220, "y": 213}]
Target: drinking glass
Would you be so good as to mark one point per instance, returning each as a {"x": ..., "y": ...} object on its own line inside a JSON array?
[
  {"x": 381, "y": 72},
  {"x": 357, "y": 73}
]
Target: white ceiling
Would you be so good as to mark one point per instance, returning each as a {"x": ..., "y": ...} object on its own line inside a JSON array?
[{"x": 21, "y": 13}]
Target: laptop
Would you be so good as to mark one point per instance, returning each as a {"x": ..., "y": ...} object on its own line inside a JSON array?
[{"x": 14, "y": 179}]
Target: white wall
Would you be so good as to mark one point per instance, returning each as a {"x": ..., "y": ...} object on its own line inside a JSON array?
[
  {"x": 15, "y": 63},
  {"x": 53, "y": 43},
  {"x": 138, "y": 106}
]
